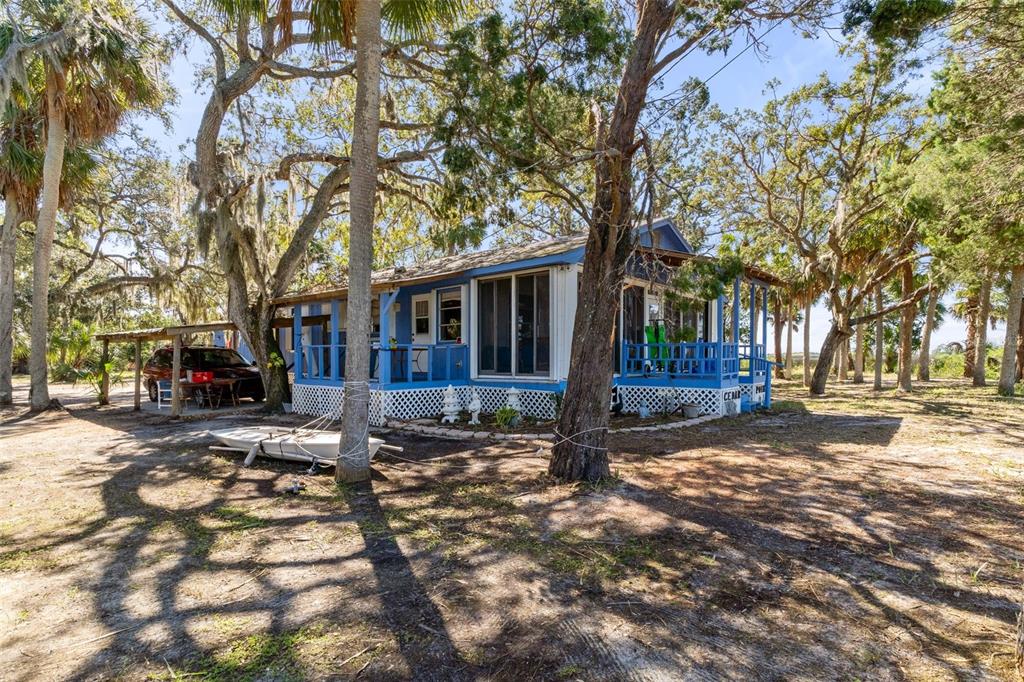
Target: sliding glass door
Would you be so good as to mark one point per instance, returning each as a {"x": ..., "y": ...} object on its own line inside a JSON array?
[{"x": 514, "y": 314}]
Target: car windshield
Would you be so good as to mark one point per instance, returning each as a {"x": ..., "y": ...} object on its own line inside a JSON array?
[{"x": 211, "y": 358}]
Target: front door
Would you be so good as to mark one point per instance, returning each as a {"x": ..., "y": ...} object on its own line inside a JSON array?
[{"x": 422, "y": 331}]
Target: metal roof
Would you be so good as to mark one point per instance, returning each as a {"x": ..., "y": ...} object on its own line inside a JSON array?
[
  {"x": 444, "y": 267},
  {"x": 448, "y": 266}
]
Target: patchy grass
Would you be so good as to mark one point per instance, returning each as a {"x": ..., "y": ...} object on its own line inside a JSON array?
[{"x": 861, "y": 535}]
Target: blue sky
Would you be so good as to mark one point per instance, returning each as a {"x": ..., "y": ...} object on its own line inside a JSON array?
[{"x": 789, "y": 57}]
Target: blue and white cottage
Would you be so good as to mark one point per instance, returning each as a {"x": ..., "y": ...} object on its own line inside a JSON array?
[{"x": 503, "y": 318}]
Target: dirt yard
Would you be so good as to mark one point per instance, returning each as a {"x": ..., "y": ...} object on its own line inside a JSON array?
[{"x": 859, "y": 537}]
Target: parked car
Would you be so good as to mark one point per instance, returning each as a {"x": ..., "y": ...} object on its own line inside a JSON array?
[{"x": 224, "y": 363}]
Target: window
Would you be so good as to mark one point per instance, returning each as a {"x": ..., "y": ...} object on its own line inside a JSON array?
[
  {"x": 495, "y": 326},
  {"x": 450, "y": 318},
  {"x": 212, "y": 358},
  {"x": 421, "y": 316},
  {"x": 515, "y": 325}
]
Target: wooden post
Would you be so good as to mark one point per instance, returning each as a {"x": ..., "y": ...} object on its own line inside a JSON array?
[
  {"x": 104, "y": 374},
  {"x": 297, "y": 342},
  {"x": 720, "y": 328},
  {"x": 335, "y": 340},
  {"x": 138, "y": 374},
  {"x": 176, "y": 376},
  {"x": 735, "y": 336},
  {"x": 753, "y": 331}
]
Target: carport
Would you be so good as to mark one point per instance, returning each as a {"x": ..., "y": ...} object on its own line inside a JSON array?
[{"x": 137, "y": 336}]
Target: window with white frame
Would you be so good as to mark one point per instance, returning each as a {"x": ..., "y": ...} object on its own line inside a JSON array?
[
  {"x": 450, "y": 316},
  {"x": 421, "y": 316}
]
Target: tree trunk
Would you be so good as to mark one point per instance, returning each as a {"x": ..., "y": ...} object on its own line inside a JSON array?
[
  {"x": 879, "y": 338},
  {"x": 833, "y": 342},
  {"x": 1019, "y": 649},
  {"x": 46, "y": 227},
  {"x": 907, "y": 315},
  {"x": 354, "y": 458},
  {"x": 924, "y": 371},
  {"x": 581, "y": 453},
  {"x": 858, "y": 351},
  {"x": 807, "y": 342},
  {"x": 843, "y": 369},
  {"x": 789, "y": 340},
  {"x": 780, "y": 370},
  {"x": 971, "y": 342},
  {"x": 1008, "y": 368},
  {"x": 8, "y": 244},
  {"x": 1020, "y": 350},
  {"x": 257, "y": 328},
  {"x": 981, "y": 335}
]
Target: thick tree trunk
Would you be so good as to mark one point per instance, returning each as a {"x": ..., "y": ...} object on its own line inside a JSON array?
[
  {"x": 971, "y": 342},
  {"x": 879, "y": 338},
  {"x": 258, "y": 331},
  {"x": 780, "y": 370},
  {"x": 981, "y": 335},
  {"x": 807, "y": 343},
  {"x": 46, "y": 227},
  {"x": 907, "y": 315},
  {"x": 858, "y": 351},
  {"x": 354, "y": 459},
  {"x": 833, "y": 342},
  {"x": 581, "y": 454},
  {"x": 924, "y": 364},
  {"x": 8, "y": 244},
  {"x": 1008, "y": 368},
  {"x": 789, "y": 339}
]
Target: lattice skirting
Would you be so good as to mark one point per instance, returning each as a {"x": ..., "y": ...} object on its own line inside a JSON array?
[
  {"x": 658, "y": 398},
  {"x": 416, "y": 403},
  {"x": 756, "y": 392}
]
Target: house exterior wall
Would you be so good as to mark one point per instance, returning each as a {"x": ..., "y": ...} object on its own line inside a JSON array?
[{"x": 651, "y": 379}]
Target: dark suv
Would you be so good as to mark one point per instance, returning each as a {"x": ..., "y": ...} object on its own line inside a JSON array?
[{"x": 223, "y": 362}]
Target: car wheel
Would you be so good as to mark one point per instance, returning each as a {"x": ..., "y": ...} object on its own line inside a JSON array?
[{"x": 151, "y": 387}]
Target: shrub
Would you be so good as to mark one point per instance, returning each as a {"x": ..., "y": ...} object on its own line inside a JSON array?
[{"x": 506, "y": 417}]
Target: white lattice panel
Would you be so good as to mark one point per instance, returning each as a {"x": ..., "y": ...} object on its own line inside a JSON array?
[
  {"x": 755, "y": 392},
  {"x": 419, "y": 403},
  {"x": 327, "y": 400},
  {"x": 710, "y": 400},
  {"x": 317, "y": 400}
]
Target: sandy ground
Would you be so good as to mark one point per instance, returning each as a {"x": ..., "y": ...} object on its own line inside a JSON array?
[{"x": 858, "y": 537}]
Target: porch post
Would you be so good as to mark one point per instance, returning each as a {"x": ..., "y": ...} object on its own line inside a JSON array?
[
  {"x": 176, "y": 376},
  {"x": 335, "y": 340},
  {"x": 138, "y": 375},
  {"x": 764, "y": 322},
  {"x": 387, "y": 299},
  {"x": 736, "y": 313},
  {"x": 720, "y": 309},
  {"x": 753, "y": 329},
  {"x": 297, "y": 340}
]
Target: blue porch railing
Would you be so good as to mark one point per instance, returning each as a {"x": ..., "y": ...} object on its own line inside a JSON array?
[
  {"x": 406, "y": 363},
  {"x": 698, "y": 361},
  {"x": 756, "y": 360}
]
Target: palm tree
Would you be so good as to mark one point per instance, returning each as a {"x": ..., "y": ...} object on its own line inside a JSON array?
[
  {"x": 96, "y": 60},
  {"x": 336, "y": 22},
  {"x": 414, "y": 17},
  {"x": 20, "y": 167}
]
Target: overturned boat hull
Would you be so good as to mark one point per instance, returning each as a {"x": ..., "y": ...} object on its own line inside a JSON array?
[{"x": 297, "y": 445}]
